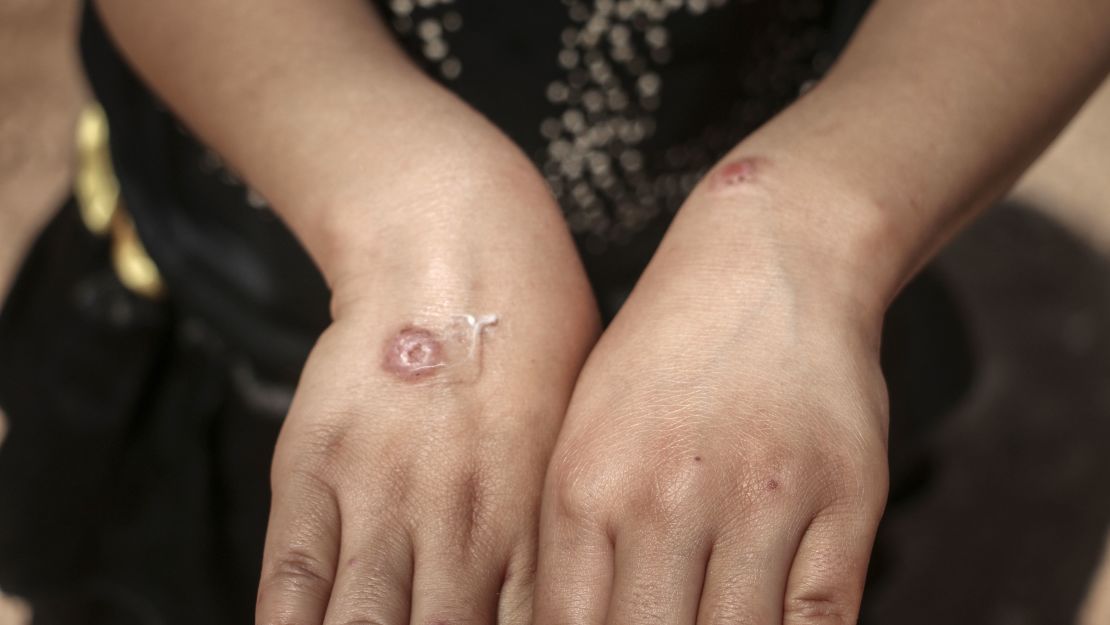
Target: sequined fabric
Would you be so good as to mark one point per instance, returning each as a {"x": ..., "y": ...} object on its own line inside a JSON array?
[
  {"x": 611, "y": 73},
  {"x": 622, "y": 105}
]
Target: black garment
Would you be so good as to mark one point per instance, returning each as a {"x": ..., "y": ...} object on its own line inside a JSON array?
[
  {"x": 133, "y": 484},
  {"x": 668, "y": 114}
]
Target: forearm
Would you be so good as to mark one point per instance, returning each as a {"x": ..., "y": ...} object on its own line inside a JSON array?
[
  {"x": 932, "y": 112},
  {"x": 319, "y": 110}
]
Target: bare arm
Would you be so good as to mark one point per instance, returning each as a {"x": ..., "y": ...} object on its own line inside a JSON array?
[
  {"x": 314, "y": 103},
  {"x": 407, "y": 476},
  {"x": 933, "y": 111},
  {"x": 723, "y": 459},
  {"x": 1096, "y": 608}
]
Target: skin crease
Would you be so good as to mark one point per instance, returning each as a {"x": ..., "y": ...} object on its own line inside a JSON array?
[{"x": 430, "y": 495}]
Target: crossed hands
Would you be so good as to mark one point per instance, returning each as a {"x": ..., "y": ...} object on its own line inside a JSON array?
[{"x": 716, "y": 457}]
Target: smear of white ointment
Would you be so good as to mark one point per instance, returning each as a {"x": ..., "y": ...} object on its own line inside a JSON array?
[{"x": 416, "y": 352}]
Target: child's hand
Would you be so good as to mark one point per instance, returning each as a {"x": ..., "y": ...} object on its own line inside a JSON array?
[
  {"x": 407, "y": 477},
  {"x": 724, "y": 455},
  {"x": 14, "y": 611},
  {"x": 1096, "y": 610}
]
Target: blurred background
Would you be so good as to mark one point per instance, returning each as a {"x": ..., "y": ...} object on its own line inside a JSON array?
[{"x": 1000, "y": 509}]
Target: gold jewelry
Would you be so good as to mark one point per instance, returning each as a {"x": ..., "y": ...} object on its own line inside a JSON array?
[{"x": 98, "y": 198}]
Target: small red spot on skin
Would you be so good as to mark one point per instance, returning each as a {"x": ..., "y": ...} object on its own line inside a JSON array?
[
  {"x": 772, "y": 485},
  {"x": 736, "y": 173},
  {"x": 697, "y": 458},
  {"x": 413, "y": 353}
]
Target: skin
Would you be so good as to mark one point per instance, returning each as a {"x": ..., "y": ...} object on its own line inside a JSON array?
[
  {"x": 720, "y": 457},
  {"x": 14, "y": 611},
  {"x": 1096, "y": 609}
]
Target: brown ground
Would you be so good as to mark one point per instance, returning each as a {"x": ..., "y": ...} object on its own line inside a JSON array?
[{"x": 40, "y": 92}]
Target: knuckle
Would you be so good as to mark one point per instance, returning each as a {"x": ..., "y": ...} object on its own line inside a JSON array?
[
  {"x": 878, "y": 487},
  {"x": 394, "y": 486},
  {"x": 735, "y": 609},
  {"x": 734, "y": 615},
  {"x": 671, "y": 491},
  {"x": 580, "y": 488},
  {"x": 362, "y": 618},
  {"x": 819, "y": 610},
  {"x": 857, "y": 481},
  {"x": 456, "y": 615},
  {"x": 294, "y": 574},
  {"x": 297, "y": 569},
  {"x": 317, "y": 449},
  {"x": 658, "y": 492},
  {"x": 315, "y": 494},
  {"x": 324, "y": 446}
]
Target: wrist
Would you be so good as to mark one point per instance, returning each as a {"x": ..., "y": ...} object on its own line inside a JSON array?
[
  {"x": 773, "y": 218},
  {"x": 361, "y": 164},
  {"x": 440, "y": 190},
  {"x": 503, "y": 317},
  {"x": 458, "y": 233}
]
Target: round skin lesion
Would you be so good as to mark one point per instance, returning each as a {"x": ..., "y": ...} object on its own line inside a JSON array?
[
  {"x": 413, "y": 353},
  {"x": 417, "y": 351},
  {"x": 737, "y": 173}
]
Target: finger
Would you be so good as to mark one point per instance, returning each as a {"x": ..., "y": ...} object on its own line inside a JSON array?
[
  {"x": 575, "y": 571},
  {"x": 449, "y": 587},
  {"x": 747, "y": 572},
  {"x": 373, "y": 580},
  {"x": 302, "y": 544},
  {"x": 825, "y": 584},
  {"x": 658, "y": 579},
  {"x": 517, "y": 597},
  {"x": 1096, "y": 609},
  {"x": 460, "y": 552}
]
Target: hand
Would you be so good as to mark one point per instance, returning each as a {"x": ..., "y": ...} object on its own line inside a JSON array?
[
  {"x": 407, "y": 477},
  {"x": 14, "y": 611},
  {"x": 1096, "y": 608},
  {"x": 723, "y": 458}
]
